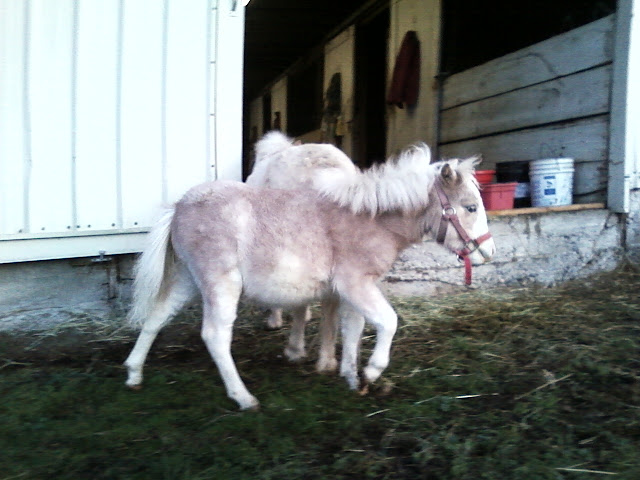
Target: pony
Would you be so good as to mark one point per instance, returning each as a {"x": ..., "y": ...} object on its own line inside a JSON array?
[
  {"x": 288, "y": 248},
  {"x": 281, "y": 162}
]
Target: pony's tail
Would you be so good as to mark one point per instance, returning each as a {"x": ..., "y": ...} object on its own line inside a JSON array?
[{"x": 152, "y": 268}]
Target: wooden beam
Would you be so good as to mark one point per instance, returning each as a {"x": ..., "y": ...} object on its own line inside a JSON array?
[
  {"x": 575, "y": 96},
  {"x": 534, "y": 210}
]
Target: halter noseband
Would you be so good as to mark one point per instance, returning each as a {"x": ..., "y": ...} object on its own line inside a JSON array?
[{"x": 449, "y": 214}]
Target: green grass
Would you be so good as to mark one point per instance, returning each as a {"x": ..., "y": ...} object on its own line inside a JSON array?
[{"x": 509, "y": 384}]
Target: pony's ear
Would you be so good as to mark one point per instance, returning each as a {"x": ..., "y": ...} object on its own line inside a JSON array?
[
  {"x": 448, "y": 174},
  {"x": 475, "y": 160}
]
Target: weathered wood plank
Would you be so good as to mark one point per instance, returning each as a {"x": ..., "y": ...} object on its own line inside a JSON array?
[
  {"x": 572, "y": 97},
  {"x": 590, "y": 182},
  {"x": 533, "y": 210},
  {"x": 585, "y": 139},
  {"x": 579, "y": 49}
]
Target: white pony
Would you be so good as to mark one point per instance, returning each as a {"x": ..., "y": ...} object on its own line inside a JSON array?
[
  {"x": 287, "y": 248},
  {"x": 280, "y": 162}
]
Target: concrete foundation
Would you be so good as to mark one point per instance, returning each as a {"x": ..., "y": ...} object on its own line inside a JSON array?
[
  {"x": 542, "y": 249},
  {"x": 39, "y": 295}
]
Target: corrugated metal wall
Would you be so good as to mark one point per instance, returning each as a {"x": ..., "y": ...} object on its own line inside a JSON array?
[{"x": 108, "y": 110}]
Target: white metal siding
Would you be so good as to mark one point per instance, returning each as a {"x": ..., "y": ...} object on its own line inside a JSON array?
[{"x": 109, "y": 109}]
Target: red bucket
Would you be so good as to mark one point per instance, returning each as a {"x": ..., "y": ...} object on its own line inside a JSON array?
[
  {"x": 485, "y": 176},
  {"x": 498, "y": 196}
]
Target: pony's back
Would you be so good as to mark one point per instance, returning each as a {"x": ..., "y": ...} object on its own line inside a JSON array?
[{"x": 282, "y": 164}]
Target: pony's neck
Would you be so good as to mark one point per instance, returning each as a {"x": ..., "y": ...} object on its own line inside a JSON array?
[{"x": 408, "y": 228}]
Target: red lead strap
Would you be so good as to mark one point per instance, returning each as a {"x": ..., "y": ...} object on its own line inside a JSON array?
[{"x": 467, "y": 270}]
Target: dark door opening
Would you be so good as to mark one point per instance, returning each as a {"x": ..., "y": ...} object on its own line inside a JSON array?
[
  {"x": 369, "y": 120},
  {"x": 266, "y": 112}
]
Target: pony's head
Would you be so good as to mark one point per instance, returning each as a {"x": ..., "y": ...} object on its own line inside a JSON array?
[{"x": 457, "y": 217}]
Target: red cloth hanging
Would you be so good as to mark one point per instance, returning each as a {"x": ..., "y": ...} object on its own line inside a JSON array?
[{"x": 405, "y": 83}]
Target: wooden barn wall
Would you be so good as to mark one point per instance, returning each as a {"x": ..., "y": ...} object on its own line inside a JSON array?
[
  {"x": 548, "y": 100},
  {"x": 108, "y": 112}
]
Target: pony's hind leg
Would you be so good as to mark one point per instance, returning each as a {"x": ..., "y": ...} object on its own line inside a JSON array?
[
  {"x": 179, "y": 291},
  {"x": 220, "y": 305},
  {"x": 352, "y": 325},
  {"x": 295, "y": 349},
  {"x": 274, "y": 321},
  {"x": 328, "y": 329}
]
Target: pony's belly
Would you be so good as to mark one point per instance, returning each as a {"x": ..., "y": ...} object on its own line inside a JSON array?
[
  {"x": 289, "y": 282},
  {"x": 275, "y": 293}
]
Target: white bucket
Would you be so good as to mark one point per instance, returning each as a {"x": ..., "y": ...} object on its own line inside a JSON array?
[{"x": 551, "y": 182}]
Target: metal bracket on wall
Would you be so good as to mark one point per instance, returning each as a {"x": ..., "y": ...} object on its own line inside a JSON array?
[{"x": 102, "y": 258}]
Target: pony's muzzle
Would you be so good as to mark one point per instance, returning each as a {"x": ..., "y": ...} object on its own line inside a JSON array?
[
  {"x": 486, "y": 250},
  {"x": 477, "y": 253}
]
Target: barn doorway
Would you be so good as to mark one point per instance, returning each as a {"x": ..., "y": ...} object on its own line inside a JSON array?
[{"x": 369, "y": 119}]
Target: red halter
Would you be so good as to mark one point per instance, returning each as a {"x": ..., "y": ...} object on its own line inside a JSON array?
[{"x": 449, "y": 214}]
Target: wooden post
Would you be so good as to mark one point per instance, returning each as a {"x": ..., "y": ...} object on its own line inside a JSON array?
[{"x": 624, "y": 146}]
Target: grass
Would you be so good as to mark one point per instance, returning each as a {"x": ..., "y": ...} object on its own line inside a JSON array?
[{"x": 507, "y": 384}]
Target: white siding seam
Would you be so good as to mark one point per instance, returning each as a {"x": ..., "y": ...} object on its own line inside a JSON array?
[
  {"x": 163, "y": 101},
  {"x": 74, "y": 120},
  {"x": 207, "y": 99},
  {"x": 214, "y": 109},
  {"x": 26, "y": 93},
  {"x": 118, "y": 116}
]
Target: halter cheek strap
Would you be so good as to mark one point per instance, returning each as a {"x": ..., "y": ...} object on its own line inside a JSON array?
[{"x": 449, "y": 215}]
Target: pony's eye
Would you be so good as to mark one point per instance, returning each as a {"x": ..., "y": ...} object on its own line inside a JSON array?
[{"x": 471, "y": 208}]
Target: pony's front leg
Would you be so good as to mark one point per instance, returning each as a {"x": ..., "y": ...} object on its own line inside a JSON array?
[
  {"x": 370, "y": 301},
  {"x": 220, "y": 305},
  {"x": 295, "y": 349}
]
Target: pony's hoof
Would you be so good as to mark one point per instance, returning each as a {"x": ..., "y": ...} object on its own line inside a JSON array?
[
  {"x": 135, "y": 388},
  {"x": 352, "y": 380},
  {"x": 274, "y": 322},
  {"x": 363, "y": 390},
  {"x": 371, "y": 373},
  {"x": 272, "y": 326},
  {"x": 294, "y": 355},
  {"x": 327, "y": 366},
  {"x": 251, "y": 405},
  {"x": 386, "y": 386}
]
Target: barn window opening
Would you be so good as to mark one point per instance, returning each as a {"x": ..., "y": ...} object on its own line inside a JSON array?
[{"x": 476, "y": 32}]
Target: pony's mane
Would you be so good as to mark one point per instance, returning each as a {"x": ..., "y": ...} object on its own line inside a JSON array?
[{"x": 402, "y": 183}]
